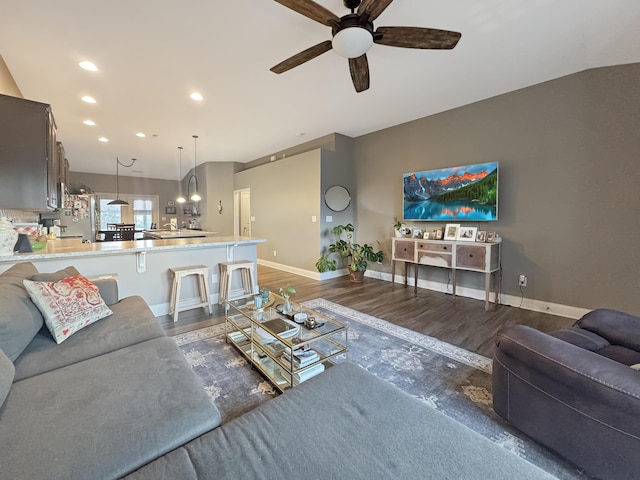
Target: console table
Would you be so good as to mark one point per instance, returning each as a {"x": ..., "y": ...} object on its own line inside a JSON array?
[{"x": 454, "y": 255}]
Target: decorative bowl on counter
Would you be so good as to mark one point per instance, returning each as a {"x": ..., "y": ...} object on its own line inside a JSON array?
[{"x": 38, "y": 245}]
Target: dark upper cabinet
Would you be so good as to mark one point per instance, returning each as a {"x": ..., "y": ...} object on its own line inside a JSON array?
[
  {"x": 63, "y": 172},
  {"x": 29, "y": 169}
]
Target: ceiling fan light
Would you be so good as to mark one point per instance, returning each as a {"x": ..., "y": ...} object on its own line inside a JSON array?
[{"x": 352, "y": 42}]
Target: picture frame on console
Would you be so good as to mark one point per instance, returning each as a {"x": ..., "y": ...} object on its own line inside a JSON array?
[
  {"x": 481, "y": 236},
  {"x": 451, "y": 231},
  {"x": 467, "y": 234},
  {"x": 491, "y": 237}
]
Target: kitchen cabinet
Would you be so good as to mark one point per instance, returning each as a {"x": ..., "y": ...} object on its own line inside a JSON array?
[
  {"x": 29, "y": 178},
  {"x": 63, "y": 173}
]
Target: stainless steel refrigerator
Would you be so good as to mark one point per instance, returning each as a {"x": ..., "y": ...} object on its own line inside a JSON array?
[{"x": 78, "y": 217}]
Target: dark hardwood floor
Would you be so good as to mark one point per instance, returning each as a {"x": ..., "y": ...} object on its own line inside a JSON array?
[{"x": 462, "y": 322}]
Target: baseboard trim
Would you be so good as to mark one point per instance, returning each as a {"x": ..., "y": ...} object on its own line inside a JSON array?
[
  {"x": 298, "y": 271},
  {"x": 551, "y": 308}
]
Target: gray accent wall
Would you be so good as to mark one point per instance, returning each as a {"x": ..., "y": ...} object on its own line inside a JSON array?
[{"x": 569, "y": 198}]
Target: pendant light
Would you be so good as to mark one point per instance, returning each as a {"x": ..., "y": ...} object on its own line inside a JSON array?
[
  {"x": 180, "y": 198},
  {"x": 195, "y": 196},
  {"x": 117, "y": 201}
]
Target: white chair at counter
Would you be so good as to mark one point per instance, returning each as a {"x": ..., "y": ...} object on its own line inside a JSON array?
[
  {"x": 203, "y": 288},
  {"x": 226, "y": 275}
]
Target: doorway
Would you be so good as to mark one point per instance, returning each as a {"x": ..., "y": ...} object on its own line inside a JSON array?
[{"x": 242, "y": 212}]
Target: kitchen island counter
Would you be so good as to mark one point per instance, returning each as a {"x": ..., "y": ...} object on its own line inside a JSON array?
[
  {"x": 73, "y": 247},
  {"x": 142, "y": 266}
]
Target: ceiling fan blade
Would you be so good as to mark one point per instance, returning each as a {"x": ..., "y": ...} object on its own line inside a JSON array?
[
  {"x": 359, "y": 68},
  {"x": 415, "y": 37},
  {"x": 302, "y": 57},
  {"x": 311, "y": 9},
  {"x": 373, "y": 7}
]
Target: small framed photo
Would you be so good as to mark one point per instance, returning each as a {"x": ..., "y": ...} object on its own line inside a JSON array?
[
  {"x": 439, "y": 233},
  {"x": 451, "y": 231},
  {"x": 417, "y": 233},
  {"x": 467, "y": 234},
  {"x": 481, "y": 236},
  {"x": 171, "y": 203},
  {"x": 170, "y": 210},
  {"x": 491, "y": 237},
  {"x": 426, "y": 235}
]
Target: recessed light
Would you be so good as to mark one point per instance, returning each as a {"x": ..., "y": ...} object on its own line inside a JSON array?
[
  {"x": 103, "y": 139},
  {"x": 140, "y": 134},
  {"x": 196, "y": 96},
  {"x": 88, "y": 66},
  {"x": 91, "y": 123},
  {"x": 88, "y": 99}
]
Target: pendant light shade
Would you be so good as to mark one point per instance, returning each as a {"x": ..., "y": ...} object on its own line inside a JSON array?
[
  {"x": 180, "y": 198},
  {"x": 195, "y": 196},
  {"x": 117, "y": 201}
]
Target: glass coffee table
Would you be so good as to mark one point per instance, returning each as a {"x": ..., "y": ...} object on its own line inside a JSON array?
[{"x": 285, "y": 351}]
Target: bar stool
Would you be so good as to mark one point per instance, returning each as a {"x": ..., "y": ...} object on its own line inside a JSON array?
[
  {"x": 203, "y": 288},
  {"x": 226, "y": 274}
]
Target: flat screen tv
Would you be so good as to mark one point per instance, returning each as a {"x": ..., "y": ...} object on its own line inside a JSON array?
[{"x": 467, "y": 193}]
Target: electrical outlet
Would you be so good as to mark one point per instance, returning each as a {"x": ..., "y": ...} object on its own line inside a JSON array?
[
  {"x": 522, "y": 281},
  {"x": 274, "y": 253}
]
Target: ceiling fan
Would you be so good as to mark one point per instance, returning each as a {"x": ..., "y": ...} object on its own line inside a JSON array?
[{"x": 353, "y": 35}]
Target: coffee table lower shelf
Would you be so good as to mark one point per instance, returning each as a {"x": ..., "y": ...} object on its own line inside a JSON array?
[{"x": 274, "y": 369}]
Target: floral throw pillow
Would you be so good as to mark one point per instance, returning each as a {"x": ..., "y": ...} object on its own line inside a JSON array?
[{"x": 67, "y": 305}]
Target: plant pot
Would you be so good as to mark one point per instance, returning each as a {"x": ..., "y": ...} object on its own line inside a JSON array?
[
  {"x": 398, "y": 233},
  {"x": 356, "y": 277}
]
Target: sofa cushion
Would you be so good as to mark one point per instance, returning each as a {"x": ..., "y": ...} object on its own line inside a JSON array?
[
  {"x": 103, "y": 417},
  {"x": 621, "y": 354},
  {"x": 345, "y": 423},
  {"x": 55, "y": 276},
  {"x": 67, "y": 305},
  {"x": 132, "y": 322},
  {"x": 7, "y": 372},
  {"x": 581, "y": 338},
  {"x": 617, "y": 327},
  {"x": 20, "y": 319}
]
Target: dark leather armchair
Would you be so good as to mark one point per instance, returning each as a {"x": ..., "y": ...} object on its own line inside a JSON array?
[{"x": 574, "y": 390}]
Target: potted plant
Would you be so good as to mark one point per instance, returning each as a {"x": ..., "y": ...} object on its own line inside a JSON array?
[
  {"x": 401, "y": 228},
  {"x": 397, "y": 225},
  {"x": 355, "y": 254}
]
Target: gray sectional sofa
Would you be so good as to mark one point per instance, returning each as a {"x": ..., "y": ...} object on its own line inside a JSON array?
[
  {"x": 113, "y": 396},
  {"x": 118, "y": 399}
]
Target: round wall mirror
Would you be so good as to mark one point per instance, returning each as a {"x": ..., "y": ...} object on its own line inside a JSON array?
[{"x": 337, "y": 198}]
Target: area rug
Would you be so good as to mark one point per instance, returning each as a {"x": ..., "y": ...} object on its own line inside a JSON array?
[{"x": 445, "y": 377}]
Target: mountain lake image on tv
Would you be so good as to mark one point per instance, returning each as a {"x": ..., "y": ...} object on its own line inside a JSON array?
[{"x": 467, "y": 193}]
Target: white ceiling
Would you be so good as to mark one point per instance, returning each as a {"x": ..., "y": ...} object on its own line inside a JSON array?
[{"x": 152, "y": 55}]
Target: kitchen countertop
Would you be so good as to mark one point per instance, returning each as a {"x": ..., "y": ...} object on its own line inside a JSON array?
[{"x": 69, "y": 248}]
